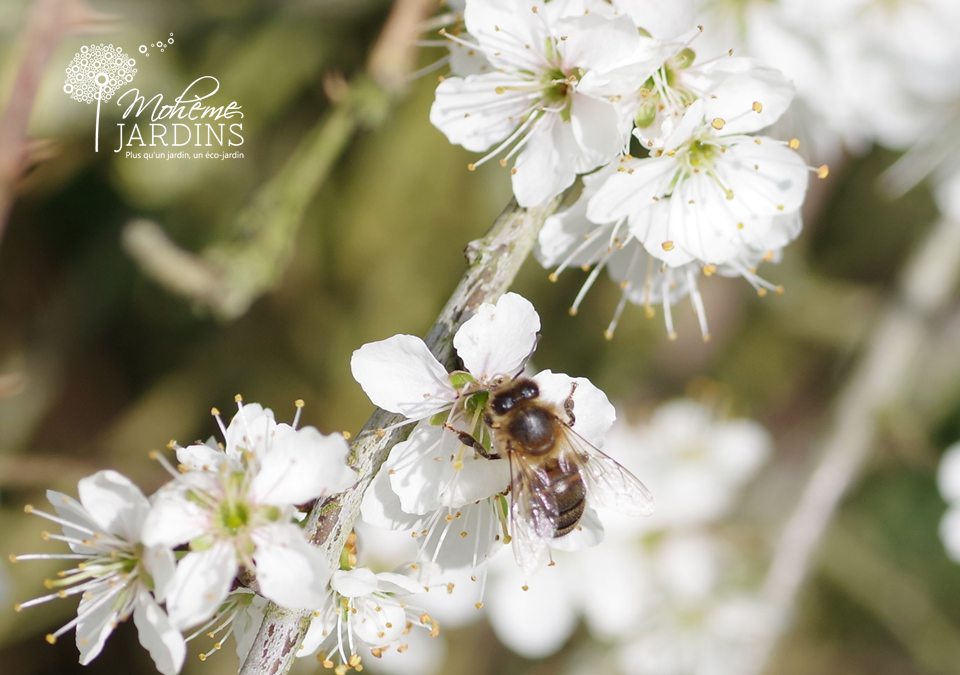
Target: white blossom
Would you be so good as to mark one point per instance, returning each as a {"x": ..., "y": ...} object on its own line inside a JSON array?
[
  {"x": 433, "y": 484},
  {"x": 116, "y": 572},
  {"x": 236, "y": 509},
  {"x": 532, "y": 105},
  {"x": 365, "y": 611}
]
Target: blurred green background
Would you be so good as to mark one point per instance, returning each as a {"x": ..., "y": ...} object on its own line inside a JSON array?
[{"x": 99, "y": 364}]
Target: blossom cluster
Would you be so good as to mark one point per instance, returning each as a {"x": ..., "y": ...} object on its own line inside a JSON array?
[
  {"x": 223, "y": 536},
  {"x": 457, "y": 486},
  {"x": 172, "y": 561},
  {"x": 578, "y": 88}
]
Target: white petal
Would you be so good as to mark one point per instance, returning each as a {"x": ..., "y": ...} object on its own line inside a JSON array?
[
  {"x": 471, "y": 113},
  {"x": 595, "y": 42},
  {"x": 423, "y": 474},
  {"x": 302, "y": 465},
  {"x": 466, "y": 542},
  {"x": 595, "y": 127},
  {"x": 499, "y": 338},
  {"x": 738, "y": 448},
  {"x": 767, "y": 178},
  {"x": 570, "y": 229},
  {"x": 391, "y": 582},
  {"x": 465, "y": 60},
  {"x": 250, "y": 429},
  {"x": 588, "y": 533},
  {"x": 948, "y": 474},
  {"x": 400, "y": 374},
  {"x": 381, "y": 506},
  {"x": 640, "y": 186},
  {"x": 534, "y": 623},
  {"x": 290, "y": 571},
  {"x": 114, "y": 502},
  {"x": 687, "y": 565},
  {"x": 71, "y": 510},
  {"x": 733, "y": 100},
  {"x": 201, "y": 457},
  {"x": 592, "y": 410},
  {"x": 484, "y": 19},
  {"x": 663, "y": 19},
  {"x": 173, "y": 520},
  {"x": 94, "y": 627},
  {"x": 548, "y": 163},
  {"x": 158, "y": 636},
  {"x": 950, "y": 533},
  {"x": 201, "y": 583},
  {"x": 371, "y": 626},
  {"x": 318, "y": 632},
  {"x": 354, "y": 583},
  {"x": 248, "y": 622},
  {"x": 691, "y": 121},
  {"x": 161, "y": 565}
]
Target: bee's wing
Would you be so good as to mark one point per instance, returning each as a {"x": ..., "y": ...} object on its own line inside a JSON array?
[
  {"x": 532, "y": 518},
  {"x": 608, "y": 484}
]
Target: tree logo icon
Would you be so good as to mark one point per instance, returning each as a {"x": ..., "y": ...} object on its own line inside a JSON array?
[{"x": 95, "y": 73}]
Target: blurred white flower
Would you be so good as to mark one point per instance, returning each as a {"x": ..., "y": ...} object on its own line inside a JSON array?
[
  {"x": 694, "y": 461},
  {"x": 709, "y": 638},
  {"x": 236, "y": 508},
  {"x": 948, "y": 480},
  {"x": 116, "y": 573}
]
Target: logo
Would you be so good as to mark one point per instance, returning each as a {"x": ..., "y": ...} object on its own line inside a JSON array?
[{"x": 97, "y": 72}]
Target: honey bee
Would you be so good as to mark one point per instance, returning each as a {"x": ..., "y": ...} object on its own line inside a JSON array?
[{"x": 554, "y": 472}]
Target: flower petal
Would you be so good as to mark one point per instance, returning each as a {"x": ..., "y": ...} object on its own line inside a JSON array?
[
  {"x": 173, "y": 519},
  {"x": 499, "y": 338},
  {"x": 158, "y": 636},
  {"x": 113, "y": 501},
  {"x": 201, "y": 582},
  {"x": 94, "y": 626},
  {"x": 290, "y": 571},
  {"x": 302, "y": 465},
  {"x": 354, "y": 583},
  {"x": 250, "y": 429},
  {"x": 593, "y": 412},
  {"x": 400, "y": 374}
]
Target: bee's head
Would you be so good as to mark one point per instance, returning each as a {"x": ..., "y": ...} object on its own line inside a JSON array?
[{"x": 521, "y": 389}]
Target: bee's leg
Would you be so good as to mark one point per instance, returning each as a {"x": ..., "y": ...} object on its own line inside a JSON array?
[
  {"x": 471, "y": 442},
  {"x": 568, "y": 406}
]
